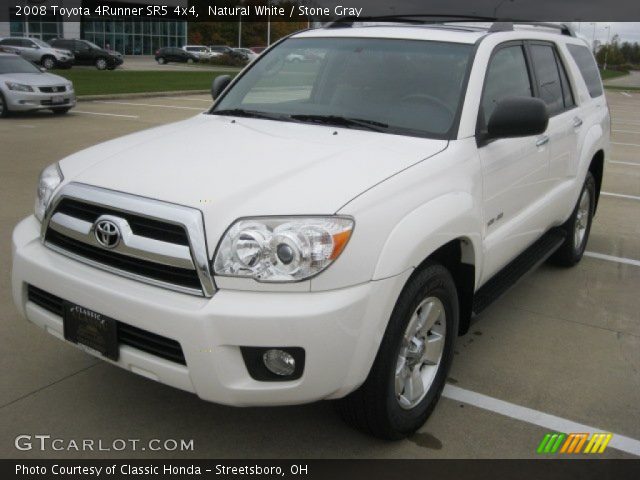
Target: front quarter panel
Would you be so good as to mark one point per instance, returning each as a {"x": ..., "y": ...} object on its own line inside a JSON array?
[{"x": 401, "y": 221}]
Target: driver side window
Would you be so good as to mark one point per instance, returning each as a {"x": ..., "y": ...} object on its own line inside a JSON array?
[{"x": 507, "y": 76}]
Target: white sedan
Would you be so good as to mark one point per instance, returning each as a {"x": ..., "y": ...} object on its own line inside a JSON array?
[{"x": 24, "y": 87}]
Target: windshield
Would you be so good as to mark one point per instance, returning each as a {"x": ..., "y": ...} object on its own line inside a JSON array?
[
  {"x": 40, "y": 43},
  {"x": 92, "y": 45},
  {"x": 410, "y": 87},
  {"x": 16, "y": 65}
]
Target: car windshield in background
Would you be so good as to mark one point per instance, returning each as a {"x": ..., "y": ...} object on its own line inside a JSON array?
[
  {"x": 40, "y": 43},
  {"x": 409, "y": 87},
  {"x": 10, "y": 64}
]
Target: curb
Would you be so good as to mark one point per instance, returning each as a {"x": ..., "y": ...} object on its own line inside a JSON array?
[{"x": 120, "y": 96}]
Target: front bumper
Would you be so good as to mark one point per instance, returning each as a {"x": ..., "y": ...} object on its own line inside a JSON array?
[
  {"x": 29, "y": 101},
  {"x": 340, "y": 330},
  {"x": 65, "y": 62}
]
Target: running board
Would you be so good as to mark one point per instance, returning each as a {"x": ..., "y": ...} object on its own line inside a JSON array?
[{"x": 524, "y": 263}]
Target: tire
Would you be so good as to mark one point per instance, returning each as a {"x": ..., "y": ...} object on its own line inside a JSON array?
[
  {"x": 101, "y": 63},
  {"x": 4, "y": 110},
  {"x": 161, "y": 61},
  {"x": 60, "y": 111},
  {"x": 384, "y": 405},
  {"x": 577, "y": 227},
  {"x": 48, "y": 62},
  {"x": 190, "y": 61}
]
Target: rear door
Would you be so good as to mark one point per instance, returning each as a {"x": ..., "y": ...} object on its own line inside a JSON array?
[
  {"x": 552, "y": 86},
  {"x": 515, "y": 170},
  {"x": 30, "y": 50}
]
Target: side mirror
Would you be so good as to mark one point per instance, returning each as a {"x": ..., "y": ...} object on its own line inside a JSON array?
[
  {"x": 518, "y": 117},
  {"x": 219, "y": 84}
]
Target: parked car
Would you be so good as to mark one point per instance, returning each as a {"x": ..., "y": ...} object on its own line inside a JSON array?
[
  {"x": 248, "y": 54},
  {"x": 231, "y": 52},
  {"x": 175, "y": 54},
  {"x": 37, "y": 51},
  {"x": 360, "y": 218},
  {"x": 88, "y": 53},
  {"x": 24, "y": 87},
  {"x": 200, "y": 51},
  {"x": 258, "y": 50}
]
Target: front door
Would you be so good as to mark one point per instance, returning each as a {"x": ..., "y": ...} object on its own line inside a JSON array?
[{"x": 515, "y": 170}]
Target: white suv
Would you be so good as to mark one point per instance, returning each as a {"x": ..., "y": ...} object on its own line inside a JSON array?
[{"x": 328, "y": 228}]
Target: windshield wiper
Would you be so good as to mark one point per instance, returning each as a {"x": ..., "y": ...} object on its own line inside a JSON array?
[
  {"x": 338, "y": 120},
  {"x": 241, "y": 112}
]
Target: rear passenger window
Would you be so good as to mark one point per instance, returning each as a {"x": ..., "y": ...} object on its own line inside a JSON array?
[
  {"x": 566, "y": 87},
  {"x": 588, "y": 68},
  {"x": 548, "y": 77},
  {"x": 507, "y": 76}
]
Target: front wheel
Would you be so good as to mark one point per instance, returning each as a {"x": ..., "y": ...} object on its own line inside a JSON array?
[
  {"x": 161, "y": 61},
  {"x": 578, "y": 226},
  {"x": 48, "y": 62},
  {"x": 101, "y": 64},
  {"x": 4, "y": 110},
  {"x": 411, "y": 367}
]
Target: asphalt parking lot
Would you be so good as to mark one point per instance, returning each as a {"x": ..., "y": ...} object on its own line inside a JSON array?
[{"x": 560, "y": 352}]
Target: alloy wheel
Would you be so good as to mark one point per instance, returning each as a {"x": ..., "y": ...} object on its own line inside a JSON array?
[
  {"x": 420, "y": 352},
  {"x": 582, "y": 220}
]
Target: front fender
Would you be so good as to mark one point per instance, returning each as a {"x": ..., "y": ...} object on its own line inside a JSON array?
[{"x": 422, "y": 231}]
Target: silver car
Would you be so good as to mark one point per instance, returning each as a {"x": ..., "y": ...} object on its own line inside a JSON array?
[
  {"x": 37, "y": 51},
  {"x": 24, "y": 87}
]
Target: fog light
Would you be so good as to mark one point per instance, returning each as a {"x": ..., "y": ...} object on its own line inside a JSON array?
[{"x": 279, "y": 362}]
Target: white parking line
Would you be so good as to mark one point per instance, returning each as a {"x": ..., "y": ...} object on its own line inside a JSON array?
[
  {"x": 147, "y": 105},
  {"x": 626, "y": 131},
  {"x": 626, "y": 144},
  {"x": 210, "y": 101},
  {"x": 105, "y": 114},
  {"x": 620, "y": 195},
  {"x": 624, "y": 163},
  {"x": 611, "y": 258},
  {"x": 626, "y": 94},
  {"x": 535, "y": 417}
]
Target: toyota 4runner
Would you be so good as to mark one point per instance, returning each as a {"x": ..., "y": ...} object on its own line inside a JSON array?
[{"x": 328, "y": 228}]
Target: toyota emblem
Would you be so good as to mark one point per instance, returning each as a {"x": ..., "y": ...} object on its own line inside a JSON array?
[{"x": 107, "y": 233}]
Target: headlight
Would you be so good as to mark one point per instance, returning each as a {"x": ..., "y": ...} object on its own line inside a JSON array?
[
  {"x": 50, "y": 178},
  {"x": 18, "y": 87},
  {"x": 281, "y": 249}
]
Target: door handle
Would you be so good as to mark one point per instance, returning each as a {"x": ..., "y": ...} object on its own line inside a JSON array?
[
  {"x": 543, "y": 140},
  {"x": 577, "y": 122}
]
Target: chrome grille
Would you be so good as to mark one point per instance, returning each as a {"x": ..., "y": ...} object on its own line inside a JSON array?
[
  {"x": 158, "y": 243},
  {"x": 57, "y": 89}
]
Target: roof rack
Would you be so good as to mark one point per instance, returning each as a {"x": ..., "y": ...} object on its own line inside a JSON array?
[
  {"x": 509, "y": 26},
  {"x": 418, "y": 19}
]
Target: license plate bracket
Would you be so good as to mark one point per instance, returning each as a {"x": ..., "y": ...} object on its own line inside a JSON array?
[
  {"x": 57, "y": 100},
  {"x": 91, "y": 329}
]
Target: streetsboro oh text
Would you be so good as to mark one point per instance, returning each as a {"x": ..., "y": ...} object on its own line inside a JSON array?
[{"x": 275, "y": 11}]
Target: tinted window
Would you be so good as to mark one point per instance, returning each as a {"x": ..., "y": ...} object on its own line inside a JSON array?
[
  {"x": 507, "y": 76},
  {"x": 548, "y": 77},
  {"x": 28, "y": 44},
  {"x": 566, "y": 87},
  {"x": 11, "y": 41},
  {"x": 588, "y": 68}
]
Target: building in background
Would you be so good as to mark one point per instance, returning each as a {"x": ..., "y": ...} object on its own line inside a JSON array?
[{"x": 126, "y": 36}]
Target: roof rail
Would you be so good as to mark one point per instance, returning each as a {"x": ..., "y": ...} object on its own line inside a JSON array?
[
  {"x": 419, "y": 19},
  {"x": 508, "y": 27}
]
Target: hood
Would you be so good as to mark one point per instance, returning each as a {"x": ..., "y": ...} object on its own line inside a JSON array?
[
  {"x": 248, "y": 167},
  {"x": 35, "y": 79}
]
